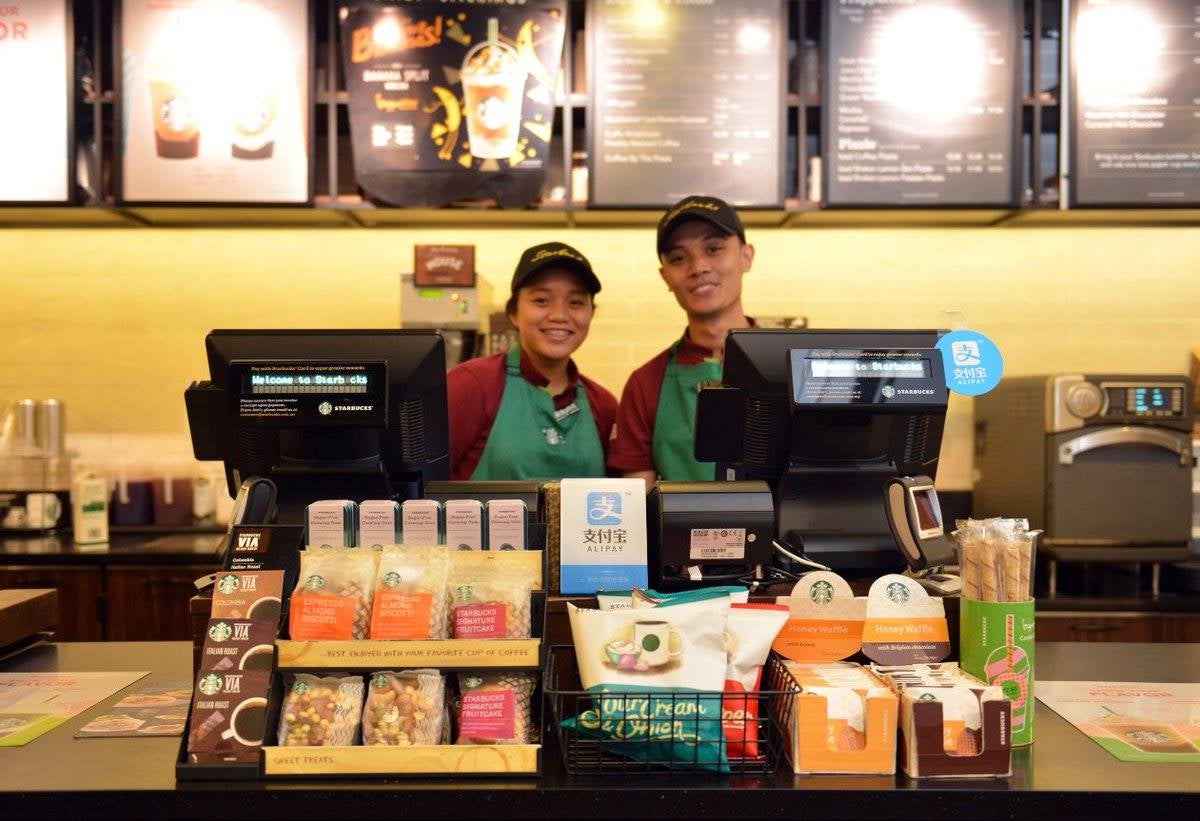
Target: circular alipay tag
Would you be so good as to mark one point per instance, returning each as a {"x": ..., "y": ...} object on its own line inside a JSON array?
[{"x": 972, "y": 361}]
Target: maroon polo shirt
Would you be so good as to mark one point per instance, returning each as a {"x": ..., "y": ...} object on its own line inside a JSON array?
[
  {"x": 474, "y": 390},
  {"x": 632, "y": 448}
]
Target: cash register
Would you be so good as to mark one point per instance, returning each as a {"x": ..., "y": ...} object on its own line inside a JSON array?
[
  {"x": 324, "y": 414},
  {"x": 831, "y": 420}
]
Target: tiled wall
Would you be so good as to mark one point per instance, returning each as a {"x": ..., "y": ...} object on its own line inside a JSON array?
[{"x": 112, "y": 321}]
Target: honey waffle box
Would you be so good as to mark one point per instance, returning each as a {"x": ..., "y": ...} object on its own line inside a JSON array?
[
  {"x": 843, "y": 720},
  {"x": 951, "y": 724}
]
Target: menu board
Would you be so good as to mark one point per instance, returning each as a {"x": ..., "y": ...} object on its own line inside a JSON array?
[
  {"x": 686, "y": 98},
  {"x": 1135, "y": 102},
  {"x": 213, "y": 99},
  {"x": 921, "y": 102},
  {"x": 452, "y": 99},
  {"x": 35, "y": 100}
]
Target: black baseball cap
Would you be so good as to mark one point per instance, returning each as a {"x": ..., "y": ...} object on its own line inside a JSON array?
[
  {"x": 710, "y": 209},
  {"x": 556, "y": 255}
]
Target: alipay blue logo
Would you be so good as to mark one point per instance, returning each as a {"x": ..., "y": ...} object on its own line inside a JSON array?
[
  {"x": 604, "y": 508},
  {"x": 972, "y": 361}
]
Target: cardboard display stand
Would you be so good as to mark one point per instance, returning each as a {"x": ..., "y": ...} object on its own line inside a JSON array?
[{"x": 451, "y": 760}]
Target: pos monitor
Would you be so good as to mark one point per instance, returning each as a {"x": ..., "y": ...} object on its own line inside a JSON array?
[
  {"x": 827, "y": 418},
  {"x": 324, "y": 414}
]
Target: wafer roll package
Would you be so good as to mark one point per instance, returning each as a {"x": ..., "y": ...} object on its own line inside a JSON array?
[{"x": 996, "y": 621}]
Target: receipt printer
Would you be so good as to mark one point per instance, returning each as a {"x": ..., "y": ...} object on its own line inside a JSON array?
[{"x": 706, "y": 533}]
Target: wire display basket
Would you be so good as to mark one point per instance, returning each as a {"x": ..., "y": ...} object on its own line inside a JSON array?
[{"x": 626, "y": 732}]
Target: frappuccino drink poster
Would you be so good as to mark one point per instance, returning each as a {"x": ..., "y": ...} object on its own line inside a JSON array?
[
  {"x": 452, "y": 100},
  {"x": 214, "y": 101}
]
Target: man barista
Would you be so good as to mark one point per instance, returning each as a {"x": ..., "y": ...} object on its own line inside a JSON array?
[{"x": 703, "y": 255}]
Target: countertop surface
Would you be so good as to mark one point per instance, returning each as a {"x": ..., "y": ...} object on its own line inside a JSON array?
[
  {"x": 1063, "y": 774},
  {"x": 200, "y": 547}
]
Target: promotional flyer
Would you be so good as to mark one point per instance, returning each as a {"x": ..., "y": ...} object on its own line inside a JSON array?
[
  {"x": 452, "y": 100},
  {"x": 1135, "y": 721},
  {"x": 35, "y": 703},
  {"x": 34, "y": 154},
  {"x": 214, "y": 101}
]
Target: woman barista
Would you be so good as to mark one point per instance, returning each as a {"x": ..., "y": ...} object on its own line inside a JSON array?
[{"x": 529, "y": 413}]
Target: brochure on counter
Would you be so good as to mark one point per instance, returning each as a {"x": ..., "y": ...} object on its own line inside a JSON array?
[
  {"x": 32, "y": 704},
  {"x": 153, "y": 710},
  {"x": 1134, "y": 721}
]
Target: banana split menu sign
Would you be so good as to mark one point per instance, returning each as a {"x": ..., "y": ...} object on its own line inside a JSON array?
[
  {"x": 453, "y": 99},
  {"x": 34, "y": 101}
]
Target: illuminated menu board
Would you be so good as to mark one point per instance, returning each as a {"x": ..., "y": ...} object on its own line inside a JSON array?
[
  {"x": 213, "y": 98},
  {"x": 1135, "y": 102},
  {"x": 921, "y": 102},
  {"x": 686, "y": 98},
  {"x": 35, "y": 101}
]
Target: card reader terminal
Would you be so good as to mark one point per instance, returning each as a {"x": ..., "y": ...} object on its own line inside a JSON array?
[{"x": 915, "y": 518}]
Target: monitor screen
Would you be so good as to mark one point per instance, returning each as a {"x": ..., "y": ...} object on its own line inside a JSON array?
[
  {"x": 829, "y": 459},
  {"x": 325, "y": 413},
  {"x": 925, "y": 501},
  {"x": 882, "y": 367}
]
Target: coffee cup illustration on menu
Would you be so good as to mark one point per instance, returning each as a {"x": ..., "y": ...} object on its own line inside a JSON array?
[
  {"x": 645, "y": 646},
  {"x": 1146, "y": 735},
  {"x": 248, "y": 723},
  {"x": 267, "y": 608},
  {"x": 258, "y": 657},
  {"x": 252, "y": 119},
  {"x": 173, "y": 107},
  {"x": 493, "y": 80}
]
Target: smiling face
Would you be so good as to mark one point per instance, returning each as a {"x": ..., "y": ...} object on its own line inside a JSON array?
[
  {"x": 552, "y": 315},
  {"x": 703, "y": 266}
]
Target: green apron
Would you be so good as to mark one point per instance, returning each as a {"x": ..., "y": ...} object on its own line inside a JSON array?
[
  {"x": 531, "y": 440},
  {"x": 675, "y": 420}
]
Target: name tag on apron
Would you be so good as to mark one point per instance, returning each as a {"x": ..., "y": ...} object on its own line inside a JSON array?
[{"x": 566, "y": 413}]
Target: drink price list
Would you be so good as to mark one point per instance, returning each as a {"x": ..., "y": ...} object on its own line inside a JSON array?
[
  {"x": 920, "y": 102},
  {"x": 1136, "y": 102},
  {"x": 686, "y": 97}
]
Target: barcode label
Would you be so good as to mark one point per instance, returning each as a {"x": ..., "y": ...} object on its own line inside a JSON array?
[{"x": 718, "y": 544}]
